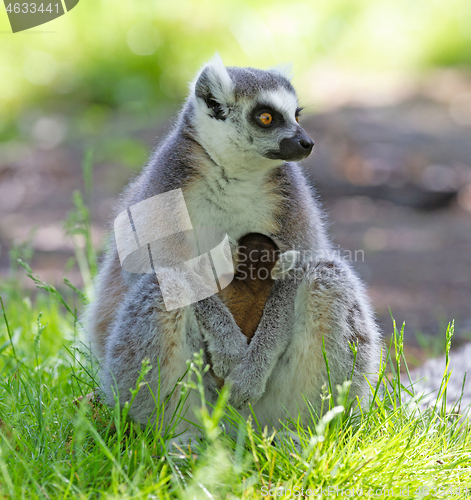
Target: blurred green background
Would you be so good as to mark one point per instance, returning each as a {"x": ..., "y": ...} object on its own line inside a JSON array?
[
  {"x": 138, "y": 54},
  {"x": 387, "y": 90}
]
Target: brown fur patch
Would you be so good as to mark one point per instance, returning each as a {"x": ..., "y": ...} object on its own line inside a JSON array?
[{"x": 248, "y": 293}]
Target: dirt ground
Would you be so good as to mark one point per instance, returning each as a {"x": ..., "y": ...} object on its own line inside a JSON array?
[{"x": 395, "y": 182}]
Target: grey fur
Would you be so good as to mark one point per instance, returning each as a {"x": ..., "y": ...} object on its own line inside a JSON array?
[
  {"x": 228, "y": 182},
  {"x": 250, "y": 82}
]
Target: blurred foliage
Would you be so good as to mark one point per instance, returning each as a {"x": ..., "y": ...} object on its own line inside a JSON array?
[{"x": 135, "y": 55}]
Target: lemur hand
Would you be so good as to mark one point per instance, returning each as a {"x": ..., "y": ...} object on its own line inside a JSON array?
[{"x": 226, "y": 343}]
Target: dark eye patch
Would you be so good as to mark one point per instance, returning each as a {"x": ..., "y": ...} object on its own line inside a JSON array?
[
  {"x": 216, "y": 108},
  {"x": 266, "y": 108}
]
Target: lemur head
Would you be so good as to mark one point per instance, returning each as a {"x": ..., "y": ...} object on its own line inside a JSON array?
[{"x": 246, "y": 117}]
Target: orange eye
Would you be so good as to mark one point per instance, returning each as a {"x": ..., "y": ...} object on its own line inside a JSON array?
[
  {"x": 265, "y": 118},
  {"x": 297, "y": 119}
]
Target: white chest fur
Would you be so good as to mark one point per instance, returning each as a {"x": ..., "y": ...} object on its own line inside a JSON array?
[{"x": 237, "y": 205}]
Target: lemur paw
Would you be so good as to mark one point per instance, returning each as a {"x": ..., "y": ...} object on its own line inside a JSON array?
[
  {"x": 221, "y": 369},
  {"x": 291, "y": 264},
  {"x": 240, "y": 397},
  {"x": 285, "y": 263},
  {"x": 243, "y": 391}
]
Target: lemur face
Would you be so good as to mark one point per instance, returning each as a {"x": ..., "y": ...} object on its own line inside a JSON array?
[{"x": 248, "y": 115}]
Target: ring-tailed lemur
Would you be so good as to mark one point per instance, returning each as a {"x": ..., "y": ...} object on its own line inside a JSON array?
[{"x": 233, "y": 152}]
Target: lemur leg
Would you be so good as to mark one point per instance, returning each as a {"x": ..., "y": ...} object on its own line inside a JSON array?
[
  {"x": 144, "y": 329},
  {"x": 285, "y": 361},
  {"x": 331, "y": 305},
  {"x": 225, "y": 341},
  {"x": 337, "y": 309}
]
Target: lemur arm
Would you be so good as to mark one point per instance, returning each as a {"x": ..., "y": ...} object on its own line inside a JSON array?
[
  {"x": 247, "y": 367},
  {"x": 249, "y": 377},
  {"x": 226, "y": 342}
]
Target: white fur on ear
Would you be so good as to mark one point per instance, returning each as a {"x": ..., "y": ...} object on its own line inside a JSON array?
[
  {"x": 285, "y": 70},
  {"x": 221, "y": 72},
  {"x": 213, "y": 78}
]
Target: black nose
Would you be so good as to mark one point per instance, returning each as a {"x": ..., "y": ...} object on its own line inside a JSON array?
[
  {"x": 306, "y": 144},
  {"x": 297, "y": 147}
]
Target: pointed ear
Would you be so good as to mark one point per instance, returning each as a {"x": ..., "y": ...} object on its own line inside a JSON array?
[{"x": 213, "y": 83}]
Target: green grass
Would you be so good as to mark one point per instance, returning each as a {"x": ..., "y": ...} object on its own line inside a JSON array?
[{"x": 52, "y": 448}]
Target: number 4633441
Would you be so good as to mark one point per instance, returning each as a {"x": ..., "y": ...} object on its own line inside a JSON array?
[{"x": 32, "y": 8}]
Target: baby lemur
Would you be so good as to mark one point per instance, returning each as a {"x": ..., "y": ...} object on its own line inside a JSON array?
[
  {"x": 234, "y": 153},
  {"x": 247, "y": 294}
]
